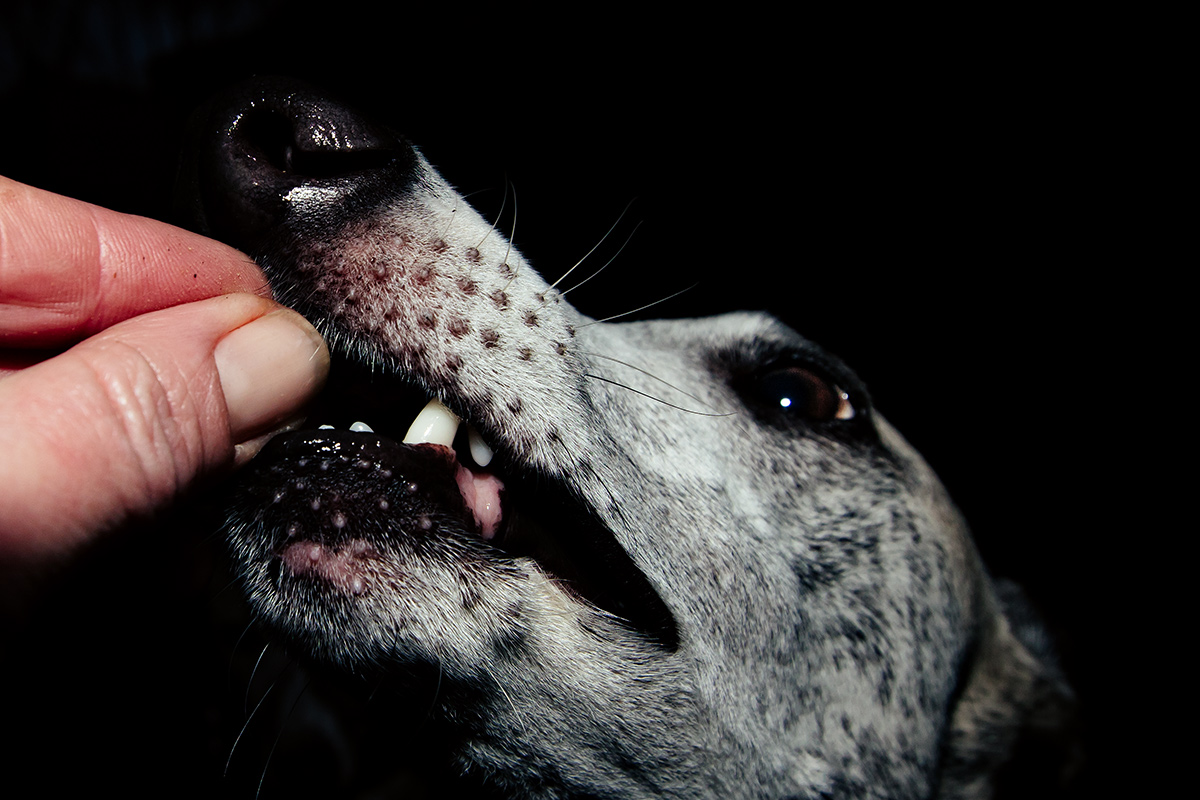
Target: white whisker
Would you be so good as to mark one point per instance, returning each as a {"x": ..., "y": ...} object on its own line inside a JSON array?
[
  {"x": 279, "y": 736},
  {"x": 511, "y": 236},
  {"x": 643, "y": 308},
  {"x": 496, "y": 221},
  {"x": 607, "y": 233},
  {"x": 565, "y": 292},
  {"x": 648, "y": 374},
  {"x": 659, "y": 399}
]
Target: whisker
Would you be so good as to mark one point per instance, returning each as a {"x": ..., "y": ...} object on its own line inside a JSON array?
[
  {"x": 659, "y": 399},
  {"x": 511, "y": 704},
  {"x": 302, "y": 301},
  {"x": 230, "y": 584},
  {"x": 279, "y": 736},
  {"x": 253, "y": 672},
  {"x": 565, "y": 292},
  {"x": 246, "y": 724},
  {"x": 643, "y": 308},
  {"x": 648, "y": 374},
  {"x": 451, "y": 218},
  {"x": 436, "y": 691},
  {"x": 511, "y": 236},
  {"x": 607, "y": 233},
  {"x": 229, "y": 668},
  {"x": 503, "y": 204}
]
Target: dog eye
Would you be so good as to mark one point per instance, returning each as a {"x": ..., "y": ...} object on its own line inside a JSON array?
[{"x": 800, "y": 392}]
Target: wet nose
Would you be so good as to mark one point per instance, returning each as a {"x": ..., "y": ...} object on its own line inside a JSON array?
[{"x": 273, "y": 154}]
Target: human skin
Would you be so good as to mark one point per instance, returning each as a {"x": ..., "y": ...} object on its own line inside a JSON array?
[{"x": 136, "y": 359}]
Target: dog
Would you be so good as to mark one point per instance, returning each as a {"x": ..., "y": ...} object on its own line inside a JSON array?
[{"x": 681, "y": 558}]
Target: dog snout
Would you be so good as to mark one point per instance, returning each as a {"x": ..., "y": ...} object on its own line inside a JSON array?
[{"x": 275, "y": 153}]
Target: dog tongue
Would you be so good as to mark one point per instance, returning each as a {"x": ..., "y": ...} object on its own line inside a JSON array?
[
  {"x": 481, "y": 493},
  {"x": 480, "y": 490}
]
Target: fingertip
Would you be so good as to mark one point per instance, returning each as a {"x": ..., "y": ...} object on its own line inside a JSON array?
[
  {"x": 270, "y": 369},
  {"x": 120, "y": 425}
]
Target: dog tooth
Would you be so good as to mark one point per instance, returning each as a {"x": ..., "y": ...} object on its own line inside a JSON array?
[
  {"x": 436, "y": 424},
  {"x": 479, "y": 448},
  {"x": 361, "y": 427},
  {"x": 325, "y": 428}
]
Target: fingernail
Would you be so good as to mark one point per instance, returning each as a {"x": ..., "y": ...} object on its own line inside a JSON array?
[{"x": 270, "y": 368}]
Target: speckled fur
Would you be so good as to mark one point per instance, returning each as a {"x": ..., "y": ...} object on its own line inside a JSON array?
[{"x": 838, "y": 636}]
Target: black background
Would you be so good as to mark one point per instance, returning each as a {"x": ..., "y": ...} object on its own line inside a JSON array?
[{"x": 926, "y": 198}]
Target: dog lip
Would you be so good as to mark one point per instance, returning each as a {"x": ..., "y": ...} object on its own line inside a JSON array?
[
  {"x": 421, "y": 466},
  {"x": 331, "y": 442},
  {"x": 542, "y": 519},
  {"x": 382, "y": 487}
]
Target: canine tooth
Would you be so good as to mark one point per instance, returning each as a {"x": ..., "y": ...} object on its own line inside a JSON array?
[
  {"x": 479, "y": 448},
  {"x": 436, "y": 424},
  {"x": 361, "y": 427},
  {"x": 326, "y": 428}
]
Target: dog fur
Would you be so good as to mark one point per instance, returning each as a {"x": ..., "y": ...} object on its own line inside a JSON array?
[{"x": 802, "y": 612}]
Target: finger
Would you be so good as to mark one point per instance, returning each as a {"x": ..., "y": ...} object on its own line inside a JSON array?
[
  {"x": 121, "y": 424},
  {"x": 69, "y": 269}
]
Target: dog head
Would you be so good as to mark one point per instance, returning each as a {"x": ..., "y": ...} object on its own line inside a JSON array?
[{"x": 668, "y": 558}]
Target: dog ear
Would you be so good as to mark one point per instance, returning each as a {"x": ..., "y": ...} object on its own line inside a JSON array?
[{"x": 1014, "y": 730}]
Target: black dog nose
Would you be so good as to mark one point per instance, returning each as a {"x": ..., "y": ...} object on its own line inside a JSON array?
[{"x": 276, "y": 155}]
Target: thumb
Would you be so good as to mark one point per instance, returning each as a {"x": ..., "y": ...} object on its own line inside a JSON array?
[{"x": 119, "y": 425}]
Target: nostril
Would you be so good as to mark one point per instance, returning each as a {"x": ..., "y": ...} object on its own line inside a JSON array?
[{"x": 268, "y": 135}]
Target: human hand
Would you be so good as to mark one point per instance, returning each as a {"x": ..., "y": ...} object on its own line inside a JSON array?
[{"x": 135, "y": 359}]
